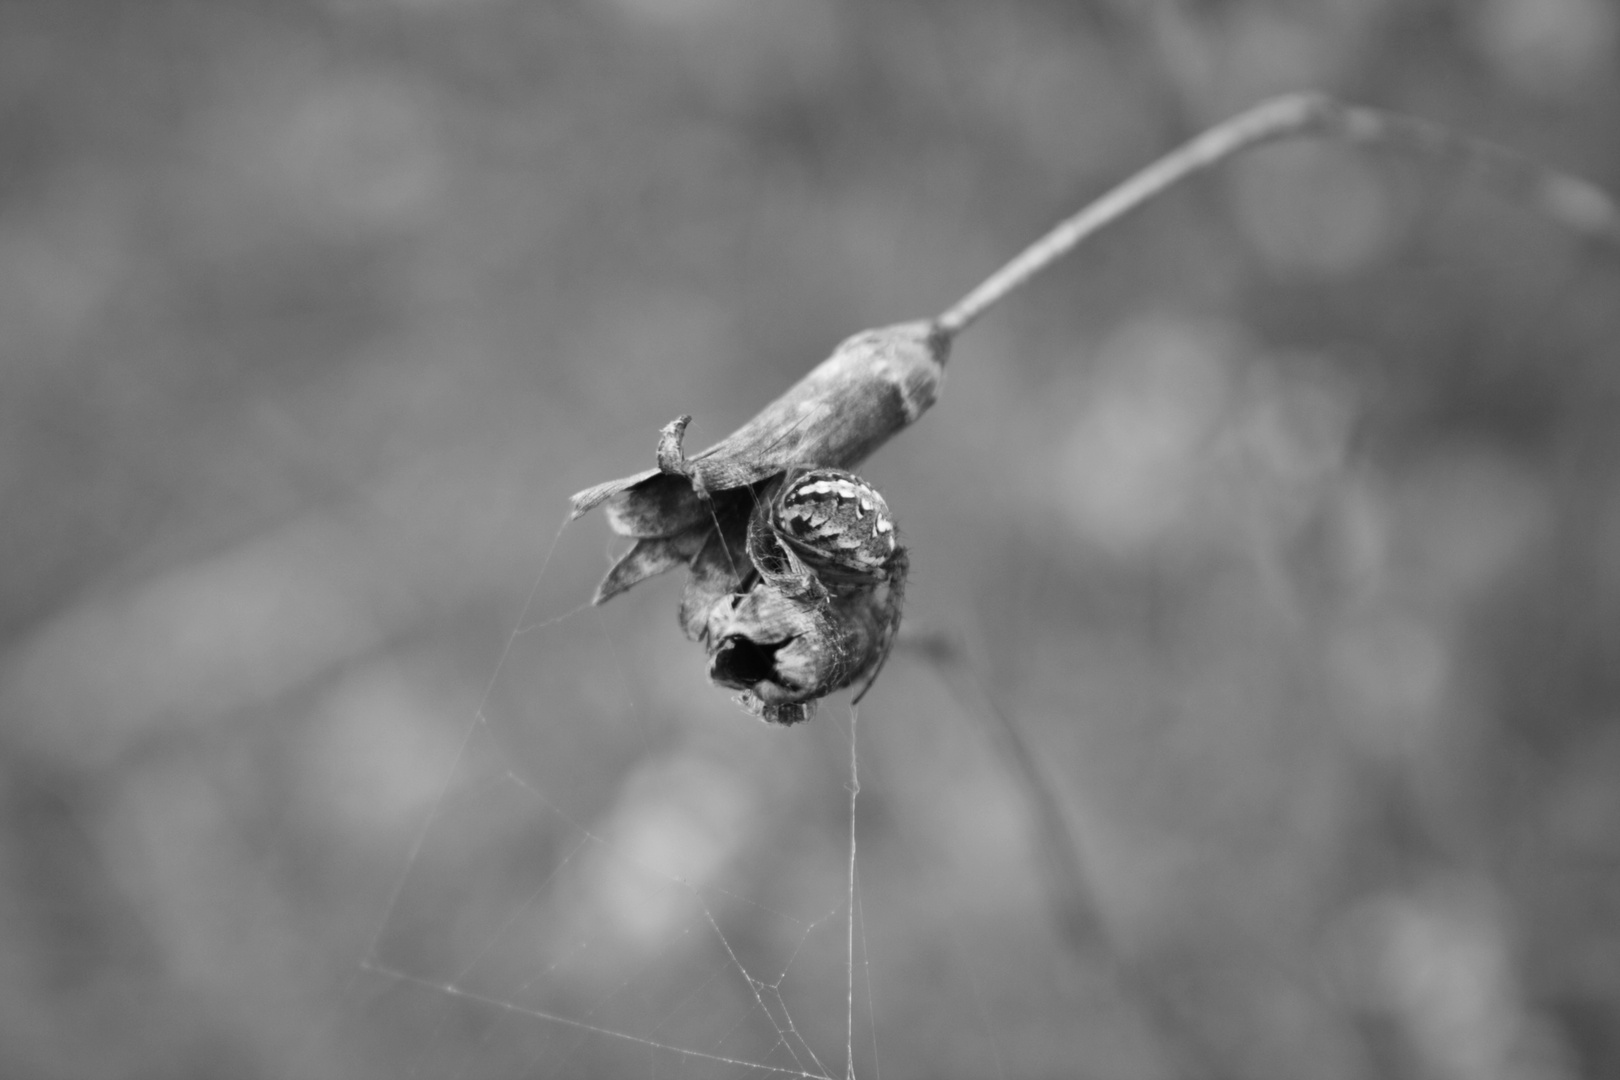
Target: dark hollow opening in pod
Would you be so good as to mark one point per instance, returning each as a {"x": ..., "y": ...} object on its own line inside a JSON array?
[{"x": 741, "y": 662}]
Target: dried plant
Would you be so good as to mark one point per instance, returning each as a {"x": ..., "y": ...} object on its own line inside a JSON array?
[{"x": 786, "y": 641}]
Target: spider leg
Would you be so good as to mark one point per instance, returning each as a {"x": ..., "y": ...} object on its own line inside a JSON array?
[
  {"x": 780, "y": 563},
  {"x": 899, "y": 565}
]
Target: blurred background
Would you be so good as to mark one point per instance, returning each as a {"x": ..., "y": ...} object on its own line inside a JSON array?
[{"x": 1284, "y": 521}]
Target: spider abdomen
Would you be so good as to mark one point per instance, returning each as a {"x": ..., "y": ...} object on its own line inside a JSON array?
[{"x": 836, "y": 516}]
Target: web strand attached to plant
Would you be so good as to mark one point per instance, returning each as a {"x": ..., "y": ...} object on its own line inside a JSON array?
[
  {"x": 854, "y": 793},
  {"x": 483, "y": 773}
]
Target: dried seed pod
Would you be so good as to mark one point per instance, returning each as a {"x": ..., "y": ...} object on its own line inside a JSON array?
[
  {"x": 796, "y": 574},
  {"x": 826, "y": 604},
  {"x": 874, "y": 385},
  {"x": 784, "y": 651}
]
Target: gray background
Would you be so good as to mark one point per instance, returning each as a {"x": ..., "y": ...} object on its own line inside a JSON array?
[{"x": 1283, "y": 520}]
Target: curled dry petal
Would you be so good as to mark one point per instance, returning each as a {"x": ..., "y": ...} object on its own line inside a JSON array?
[
  {"x": 647, "y": 558},
  {"x": 718, "y": 570}
]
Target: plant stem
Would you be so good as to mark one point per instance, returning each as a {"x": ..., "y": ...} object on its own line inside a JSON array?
[
  {"x": 1069, "y": 888},
  {"x": 1573, "y": 203}
]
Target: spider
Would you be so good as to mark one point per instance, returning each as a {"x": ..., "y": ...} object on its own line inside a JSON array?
[
  {"x": 826, "y": 530},
  {"x": 827, "y": 605}
]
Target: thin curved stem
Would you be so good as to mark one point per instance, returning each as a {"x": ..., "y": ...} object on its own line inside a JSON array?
[{"x": 1570, "y": 201}]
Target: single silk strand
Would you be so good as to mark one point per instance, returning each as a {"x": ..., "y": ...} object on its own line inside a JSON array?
[{"x": 854, "y": 790}]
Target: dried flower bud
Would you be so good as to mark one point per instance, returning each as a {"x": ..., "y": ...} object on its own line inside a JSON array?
[
  {"x": 783, "y": 651},
  {"x": 874, "y": 385},
  {"x": 796, "y": 574}
]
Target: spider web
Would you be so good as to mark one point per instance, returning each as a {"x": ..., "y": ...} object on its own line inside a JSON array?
[
  {"x": 620, "y": 874},
  {"x": 543, "y": 922}
]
